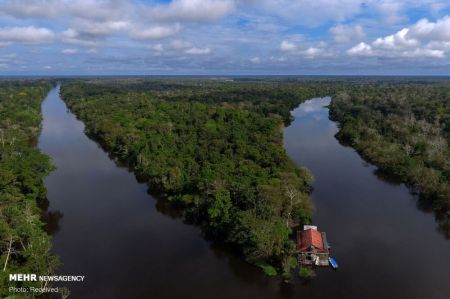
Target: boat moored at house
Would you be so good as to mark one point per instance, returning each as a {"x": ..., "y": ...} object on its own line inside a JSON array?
[{"x": 333, "y": 263}]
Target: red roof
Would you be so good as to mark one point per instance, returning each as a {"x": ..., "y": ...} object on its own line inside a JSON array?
[{"x": 310, "y": 240}]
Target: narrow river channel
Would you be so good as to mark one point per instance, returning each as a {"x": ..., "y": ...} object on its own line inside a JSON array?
[
  {"x": 385, "y": 246},
  {"x": 130, "y": 245}
]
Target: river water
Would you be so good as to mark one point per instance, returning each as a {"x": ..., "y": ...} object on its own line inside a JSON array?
[{"x": 130, "y": 245}]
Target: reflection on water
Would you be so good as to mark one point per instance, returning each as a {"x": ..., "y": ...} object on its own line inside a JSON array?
[
  {"x": 444, "y": 224},
  {"x": 130, "y": 245},
  {"x": 385, "y": 246},
  {"x": 49, "y": 218}
]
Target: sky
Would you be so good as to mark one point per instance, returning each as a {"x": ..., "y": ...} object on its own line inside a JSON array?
[{"x": 225, "y": 37}]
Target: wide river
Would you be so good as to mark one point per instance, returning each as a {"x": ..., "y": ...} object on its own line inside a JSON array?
[{"x": 130, "y": 245}]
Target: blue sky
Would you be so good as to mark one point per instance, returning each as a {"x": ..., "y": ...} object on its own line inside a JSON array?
[{"x": 204, "y": 37}]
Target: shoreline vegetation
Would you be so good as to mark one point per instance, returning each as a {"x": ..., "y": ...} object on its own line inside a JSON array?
[
  {"x": 405, "y": 131},
  {"x": 25, "y": 246},
  {"x": 214, "y": 149}
]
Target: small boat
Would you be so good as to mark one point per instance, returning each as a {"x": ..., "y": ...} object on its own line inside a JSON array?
[{"x": 333, "y": 263}]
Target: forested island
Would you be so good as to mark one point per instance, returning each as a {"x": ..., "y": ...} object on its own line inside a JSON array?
[
  {"x": 25, "y": 246},
  {"x": 405, "y": 130},
  {"x": 213, "y": 148}
]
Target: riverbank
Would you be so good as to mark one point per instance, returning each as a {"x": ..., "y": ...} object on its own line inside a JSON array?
[
  {"x": 222, "y": 163},
  {"x": 25, "y": 246},
  {"x": 373, "y": 224},
  {"x": 111, "y": 226},
  {"x": 402, "y": 138}
]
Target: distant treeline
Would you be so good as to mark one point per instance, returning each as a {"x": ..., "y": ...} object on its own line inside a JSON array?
[
  {"x": 25, "y": 247},
  {"x": 405, "y": 130},
  {"x": 262, "y": 96},
  {"x": 215, "y": 148}
]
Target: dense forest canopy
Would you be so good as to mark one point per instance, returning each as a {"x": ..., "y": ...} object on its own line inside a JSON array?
[
  {"x": 214, "y": 148},
  {"x": 25, "y": 247},
  {"x": 405, "y": 130},
  {"x": 214, "y": 145},
  {"x": 264, "y": 96}
]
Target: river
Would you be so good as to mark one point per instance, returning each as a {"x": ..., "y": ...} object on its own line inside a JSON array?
[{"x": 130, "y": 245}]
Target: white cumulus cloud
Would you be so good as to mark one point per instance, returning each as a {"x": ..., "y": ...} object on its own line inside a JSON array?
[
  {"x": 287, "y": 46},
  {"x": 31, "y": 8},
  {"x": 29, "y": 34},
  {"x": 191, "y": 10},
  {"x": 307, "y": 51},
  {"x": 431, "y": 31},
  {"x": 361, "y": 49},
  {"x": 154, "y": 32},
  {"x": 422, "y": 39}
]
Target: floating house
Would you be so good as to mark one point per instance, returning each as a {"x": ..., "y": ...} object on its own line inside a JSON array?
[{"x": 312, "y": 246}]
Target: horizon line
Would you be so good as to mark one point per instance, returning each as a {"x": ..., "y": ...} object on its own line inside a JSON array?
[{"x": 221, "y": 75}]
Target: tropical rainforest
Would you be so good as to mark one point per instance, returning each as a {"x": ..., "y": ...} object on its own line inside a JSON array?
[
  {"x": 25, "y": 246},
  {"x": 214, "y": 146},
  {"x": 215, "y": 149},
  {"x": 405, "y": 130}
]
